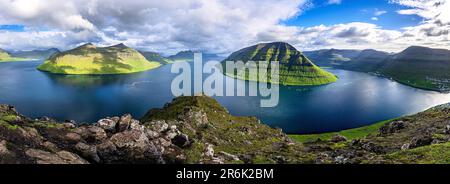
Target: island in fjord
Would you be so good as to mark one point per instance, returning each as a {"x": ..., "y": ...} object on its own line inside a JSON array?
[
  {"x": 294, "y": 69},
  {"x": 89, "y": 59}
]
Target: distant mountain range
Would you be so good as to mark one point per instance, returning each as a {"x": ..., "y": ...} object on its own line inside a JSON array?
[
  {"x": 35, "y": 54},
  {"x": 420, "y": 67},
  {"x": 6, "y": 57},
  {"x": 154, "y": 56},
  {"x": 294, "y": 67},
  {"x": 89, "y": 59},
  {"x": 331, "y": 57},
  {"x": 189, "y": 56}
]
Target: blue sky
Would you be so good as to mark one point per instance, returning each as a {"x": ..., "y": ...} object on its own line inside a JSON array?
[
  {"x": 321, "y": 12},
  {"x": 16, "y": 28}
]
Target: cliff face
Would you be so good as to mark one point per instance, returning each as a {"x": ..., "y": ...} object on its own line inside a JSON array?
[{"x": 199, "y": 130}]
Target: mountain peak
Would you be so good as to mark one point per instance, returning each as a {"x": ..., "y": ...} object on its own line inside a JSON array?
[
  {"x": 293, "y": 64},
  {"x": 87, "y": 45},
  {"x": 120, "y": 45}
]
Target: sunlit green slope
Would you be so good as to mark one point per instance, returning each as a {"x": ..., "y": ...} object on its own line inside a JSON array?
[
  {"x": 294, "y": 68},
  {"x": 89, "y": 59}
]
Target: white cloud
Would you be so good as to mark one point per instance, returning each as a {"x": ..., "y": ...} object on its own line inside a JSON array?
[
  {"x": 434, "y": 29},
  {"x": 218, "y": 26},
  {"x": 334, "y": 1},
  {"x": 211, "y": 25},
  {"x": 374, "y": 18},
  {"x": 379, "y": 12},
  {"x": 355, "y": 35}
]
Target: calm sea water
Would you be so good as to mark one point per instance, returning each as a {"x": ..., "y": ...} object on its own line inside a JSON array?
[{"x": 357, "y": 99}]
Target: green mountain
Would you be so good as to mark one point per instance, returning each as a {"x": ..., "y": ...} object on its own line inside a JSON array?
[
  {"x": 420, "y": 67},
  {"x": 189, "y": 56},
  {"x": 35, "y": 54},
  {"x": 154, "y": 56},
  {"x": 295, "y": 68},
  {"x": 368, "y": 60},
  {"x": 89, "y": 59},
  {"x": 6, "y": 57}
]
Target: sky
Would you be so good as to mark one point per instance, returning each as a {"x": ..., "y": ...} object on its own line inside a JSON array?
[{"x": 224, "y": 26}]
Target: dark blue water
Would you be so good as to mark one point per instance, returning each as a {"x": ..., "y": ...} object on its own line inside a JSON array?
[{"x": 357, "y": 99}]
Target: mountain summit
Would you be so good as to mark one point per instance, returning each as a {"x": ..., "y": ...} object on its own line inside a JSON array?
[
  {"x": 89, "y": 59},
  {"x": 295, "y": 68}
]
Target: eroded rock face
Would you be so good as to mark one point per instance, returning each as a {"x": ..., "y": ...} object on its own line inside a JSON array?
[
  {"x": 338, "y": 138},
  {"x": 392, "y": 127},
  {"x": 61, "y": 157},
  {"x": 110, "y": 140}
]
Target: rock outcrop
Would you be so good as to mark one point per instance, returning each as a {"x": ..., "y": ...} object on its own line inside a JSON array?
[
  {"x": 191, "y": 135},
  {"x": 199, "y": 130}
]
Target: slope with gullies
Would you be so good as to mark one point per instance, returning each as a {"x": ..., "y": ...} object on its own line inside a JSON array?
[
  {"x": 420, "y": 67},
  {"x": 294, "y": 67},
  {"x": 89, "y": 59}
]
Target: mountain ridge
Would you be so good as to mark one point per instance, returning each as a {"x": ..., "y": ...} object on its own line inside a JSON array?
[{"x": 90, "y": 59}]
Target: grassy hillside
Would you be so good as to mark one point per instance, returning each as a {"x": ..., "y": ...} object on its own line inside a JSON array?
[
  {"x": 420, "y": 67},
  {"x": 294, "y": 68},
  {"x": 199, "y": 130},
  {"x": 367, "y": 61},
  {"x": 182, "y": 56},
  {"x": 6, "y": 57},
  {"x": 89, "y": 59},
  {"x": 331, "y": 57},
  {"x": 355, "y": 133},
  {"x": 153, "y": 56}
]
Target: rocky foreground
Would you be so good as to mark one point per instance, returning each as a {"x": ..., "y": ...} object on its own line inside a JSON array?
[{"x": 199, "y": 130}]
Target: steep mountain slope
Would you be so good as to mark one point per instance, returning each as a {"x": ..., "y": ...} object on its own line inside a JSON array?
[
  {"x": 182, "y": 56},
  {"x": 89, "y": 59},
  {"x": 331, "y": 57},
  {"x": 35, "y": 54},
  {"x": 154, "y": 56},
  {"x": 368, "y": 60},
  {"x": 420, "y": 67},
  {"x": 189, "y": 56},
  {"x": 295, "y": 68}
]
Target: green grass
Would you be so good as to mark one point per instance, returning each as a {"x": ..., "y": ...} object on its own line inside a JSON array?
[
  {"x": 92, "y": 60},
  {"x": 5, "y": 57},
  {"x": 295, "y": 69},
  {"x": 8, "y": 118},
  {"x": 432, "y": 154},
  {"x": 12, "y": 59},
  {"x": 419, "y": 73},
  {"x": 231, "y": 134},
  {"x": 354, "y": 133},
  {"x": 8, "y": 125}
]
